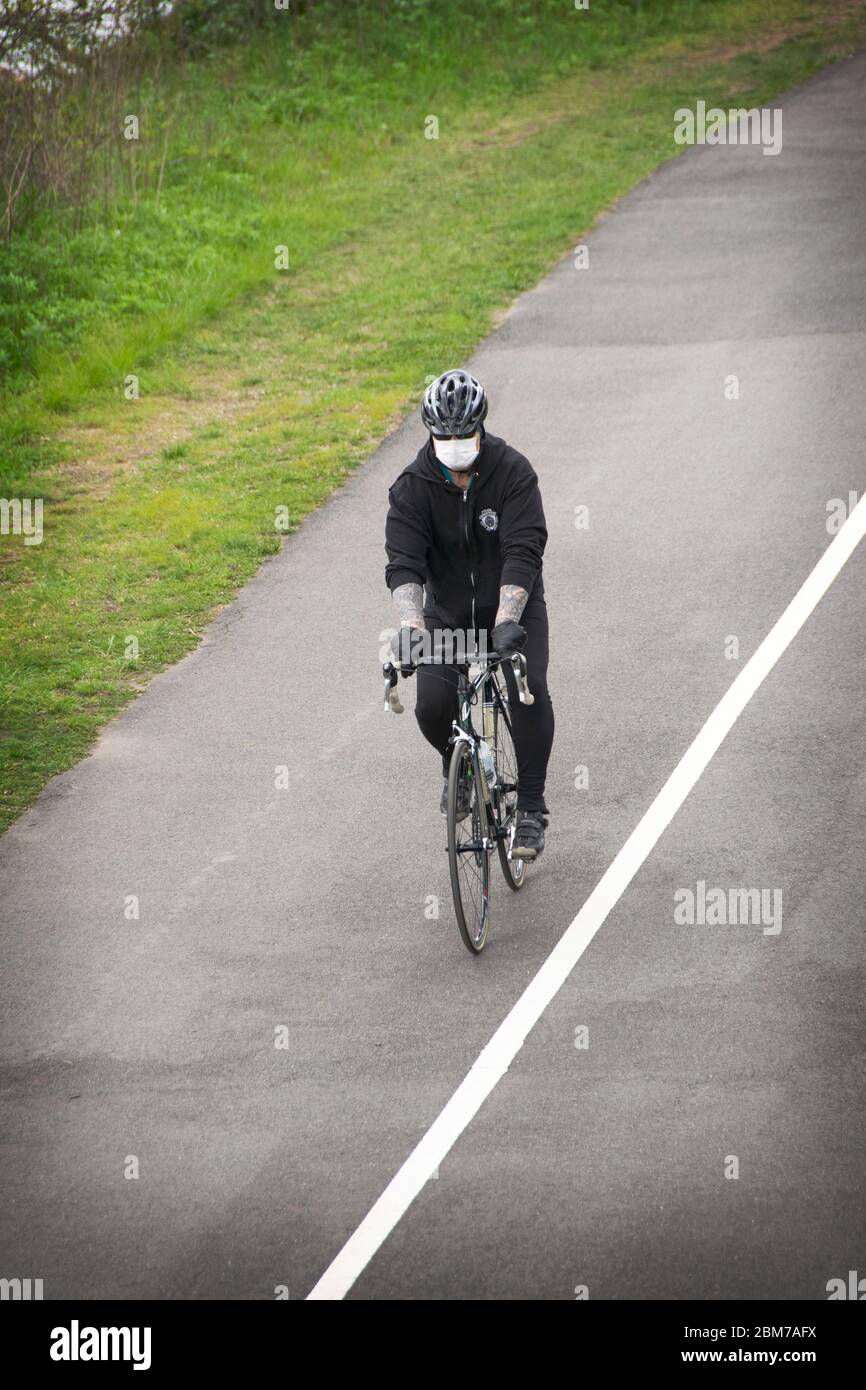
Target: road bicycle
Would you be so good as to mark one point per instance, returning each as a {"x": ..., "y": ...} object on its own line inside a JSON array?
[{"x": 485, "y": 763}]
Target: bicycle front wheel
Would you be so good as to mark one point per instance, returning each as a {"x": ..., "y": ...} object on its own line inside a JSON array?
[
  {"x": 505, "y": 795},
  {"x": 468, "y": 852}
]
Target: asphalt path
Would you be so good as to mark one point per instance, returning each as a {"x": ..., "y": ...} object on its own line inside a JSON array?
[{"x": 309, "y": 912}]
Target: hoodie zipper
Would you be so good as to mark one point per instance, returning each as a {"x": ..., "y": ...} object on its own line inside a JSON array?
[{"x": 469, "y": 551}]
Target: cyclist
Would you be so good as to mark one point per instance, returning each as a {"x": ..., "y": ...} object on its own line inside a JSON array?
[{"x": 464, "y": 536}]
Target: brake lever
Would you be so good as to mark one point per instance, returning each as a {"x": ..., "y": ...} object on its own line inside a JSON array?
[
  {"x": 392, "y": 699},
  {"x": 518, "y": 666}
]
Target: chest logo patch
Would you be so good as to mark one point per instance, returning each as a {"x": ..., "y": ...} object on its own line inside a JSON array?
[{"x": 489, "y": 520}]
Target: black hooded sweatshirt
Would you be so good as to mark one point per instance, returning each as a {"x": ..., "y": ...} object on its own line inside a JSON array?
[{"x": 462, "y": 546}]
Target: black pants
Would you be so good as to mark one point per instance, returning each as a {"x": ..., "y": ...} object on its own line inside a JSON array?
[{"x": 436, "y": 707}]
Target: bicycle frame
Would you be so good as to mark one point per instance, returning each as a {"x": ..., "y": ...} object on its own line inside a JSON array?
[{"x": 468, "y": 694}]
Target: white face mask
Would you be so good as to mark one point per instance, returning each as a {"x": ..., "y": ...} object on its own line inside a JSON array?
[{"x": 456, "y": 454}]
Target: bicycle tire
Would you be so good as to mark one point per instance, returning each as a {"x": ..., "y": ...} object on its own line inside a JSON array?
[
  {"x": 473, "y": 921},
  {"x": 505, "y": 757}
]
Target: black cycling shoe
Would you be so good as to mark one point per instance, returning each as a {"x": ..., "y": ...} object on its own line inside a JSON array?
[
  {"x": 529, "y": 835},
  {"x": 464, "y": 800}
]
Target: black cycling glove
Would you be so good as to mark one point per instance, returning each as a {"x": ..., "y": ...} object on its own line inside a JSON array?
[
  {"x": 508, "y": 638},
  {"x": 406, "y": 647}
]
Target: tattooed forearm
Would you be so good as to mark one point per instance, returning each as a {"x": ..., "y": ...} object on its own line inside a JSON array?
[
  {"x": 410, "y": 604},
  {"x": 512, "y": 601}
]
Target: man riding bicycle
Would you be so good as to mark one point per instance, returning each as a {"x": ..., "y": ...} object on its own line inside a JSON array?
[{"x": 465, "y": 536}]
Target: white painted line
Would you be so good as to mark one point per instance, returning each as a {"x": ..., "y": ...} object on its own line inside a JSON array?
[{"x": 511, "y": 1034}]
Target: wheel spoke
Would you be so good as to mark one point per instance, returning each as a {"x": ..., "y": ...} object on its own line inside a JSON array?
[
  {"x": 505, "y": 757},
  {"x": 469, "y": 859}
]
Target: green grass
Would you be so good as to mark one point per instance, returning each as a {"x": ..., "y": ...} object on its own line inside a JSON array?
[{"x": 261, "y": 389}]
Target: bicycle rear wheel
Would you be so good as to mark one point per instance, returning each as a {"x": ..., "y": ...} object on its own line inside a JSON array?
[
  {"x": 469, "y": 853},
  {"x": 505, "y": 793}
]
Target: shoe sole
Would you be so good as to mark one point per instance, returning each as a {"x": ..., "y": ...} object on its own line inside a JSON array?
[{"x": 523, "y": 853}]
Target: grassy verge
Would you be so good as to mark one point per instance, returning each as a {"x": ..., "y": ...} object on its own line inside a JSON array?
[{"x": 260, "y": 388}]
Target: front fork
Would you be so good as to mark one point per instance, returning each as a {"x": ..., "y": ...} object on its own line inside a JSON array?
[{"x": 460, "y": 736}]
